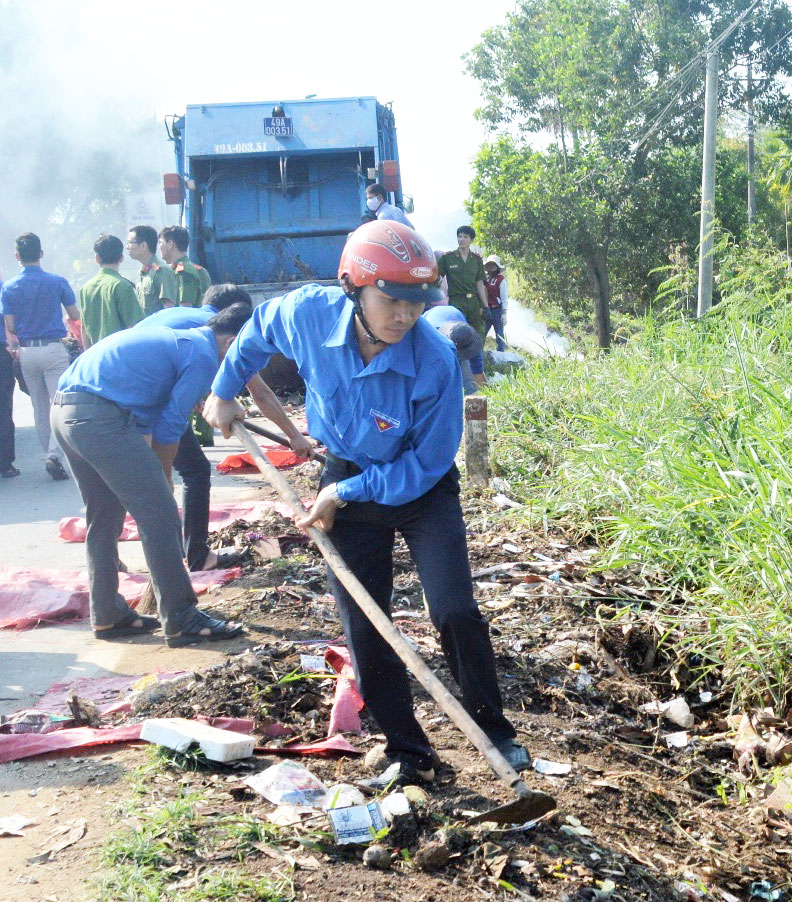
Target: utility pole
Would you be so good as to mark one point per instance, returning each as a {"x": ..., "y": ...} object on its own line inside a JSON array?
[
  {"x": 708, "y": 186},
  {"x": 751, "y": 136}
]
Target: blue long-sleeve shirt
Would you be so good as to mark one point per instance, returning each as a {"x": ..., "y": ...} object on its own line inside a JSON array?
[
  {"x": 179, "y": 317},
  {"x": 399, "y": 418},
  {"x": 443, "y": 314},
  {"x": 158, "y": 374}
]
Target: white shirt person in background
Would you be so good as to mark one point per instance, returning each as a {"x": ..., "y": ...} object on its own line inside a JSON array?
[{"x": 376, "y": 201}]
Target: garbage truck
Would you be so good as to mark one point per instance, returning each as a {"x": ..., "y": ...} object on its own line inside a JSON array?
[{"x": 269, "y": 191}]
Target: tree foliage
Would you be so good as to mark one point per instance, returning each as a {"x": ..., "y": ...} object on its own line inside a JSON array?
[{"x": 617, "y": 84}]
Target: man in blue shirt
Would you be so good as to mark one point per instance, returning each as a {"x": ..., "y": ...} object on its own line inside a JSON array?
[
  {"x": 191, "y": 463},
  {"x": 377, "y": 202},
  {"x": 384, "y": 393},
  {"x": 119, "y": 413},
  {"x": 32, "y": 304},
  {"x": 7, "y": 453},
  {"x": 451, "y": 322}
]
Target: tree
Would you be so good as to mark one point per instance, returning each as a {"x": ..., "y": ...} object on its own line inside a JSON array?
[{"x": 616, "y": 83}]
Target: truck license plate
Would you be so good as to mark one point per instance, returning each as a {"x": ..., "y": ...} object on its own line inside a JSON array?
[{"x": 279, "y": 126}]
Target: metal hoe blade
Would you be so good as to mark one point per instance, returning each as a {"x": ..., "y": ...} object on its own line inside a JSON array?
[{"x": 527, "y": 807}]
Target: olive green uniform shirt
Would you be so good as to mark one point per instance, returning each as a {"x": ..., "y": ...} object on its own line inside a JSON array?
[
  {"x": 462, "y": 276},
  {"x": 206, "y": 279},
  {"x": 189, "y": 283},
  {"x": 108, "y": 304},
  {"x": 157, "y": 284}
]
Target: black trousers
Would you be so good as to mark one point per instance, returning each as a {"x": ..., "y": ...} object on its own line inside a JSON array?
[
  {"x": 194, "y": 468},
  {"x": 7, "y": 449},
  {"x": 433, "y": 528}
]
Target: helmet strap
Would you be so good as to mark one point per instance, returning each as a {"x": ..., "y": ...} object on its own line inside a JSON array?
[{"x": 354, "y": 296}]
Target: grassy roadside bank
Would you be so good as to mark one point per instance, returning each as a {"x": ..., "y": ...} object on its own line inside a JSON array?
[{"x": 673, "y": 452}]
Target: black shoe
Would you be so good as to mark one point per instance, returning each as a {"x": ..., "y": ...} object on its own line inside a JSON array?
[
  {"x": 399, "y": 773},
  {"x": 9, "y": 473},
  {"x": 224, "y": 560},
  {"x": 515, "y": 754},
  {"x": 55, "y": 468}
]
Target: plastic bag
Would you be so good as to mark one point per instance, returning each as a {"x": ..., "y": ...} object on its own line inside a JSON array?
[{"x": 289, "y": 783}]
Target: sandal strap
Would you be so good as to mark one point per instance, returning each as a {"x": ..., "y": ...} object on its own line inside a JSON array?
[{"x": 202, "y": 621}]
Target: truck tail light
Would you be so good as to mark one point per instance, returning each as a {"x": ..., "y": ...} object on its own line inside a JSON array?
[
  {"x": 390, "y": 175},
  {"x": 173, "y": 187}
]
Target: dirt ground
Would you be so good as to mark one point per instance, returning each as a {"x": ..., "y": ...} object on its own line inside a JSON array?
[{"x": 635, "y": 819}]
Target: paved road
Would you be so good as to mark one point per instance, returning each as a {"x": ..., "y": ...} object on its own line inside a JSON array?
[{"x": 30, "y": 507}]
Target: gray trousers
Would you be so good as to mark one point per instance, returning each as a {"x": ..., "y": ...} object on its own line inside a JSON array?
[
  {"x": 116, "y": 472},
  {"x": 41, "y": 369}
]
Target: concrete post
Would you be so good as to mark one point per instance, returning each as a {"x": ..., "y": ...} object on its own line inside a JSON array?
[{"x": 476, "y": 451}]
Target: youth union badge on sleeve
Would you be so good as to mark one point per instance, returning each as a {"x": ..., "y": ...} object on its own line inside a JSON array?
[{"x": 383, "y": 421}]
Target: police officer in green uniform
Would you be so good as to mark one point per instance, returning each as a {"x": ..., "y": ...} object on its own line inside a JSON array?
[
  {"x": 108, "y": 302},
  {"x": 192, "y": 282},
  {"x": 205, "y": 279},
  {"x": 157, "y": 287},
  {"x": 173, "y": 244},
  {"x": 464, "y": 272}
]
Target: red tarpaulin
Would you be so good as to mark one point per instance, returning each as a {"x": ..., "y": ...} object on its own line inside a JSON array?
[
  {"x": 72, "y": 529},
  {"x": 347, "y": 704},
  {"x": 279, "y": 456},
  {"x": 324, "y": 748},
  {"x": 25, "y": 745},
  {"x": 32, "y": 597}
]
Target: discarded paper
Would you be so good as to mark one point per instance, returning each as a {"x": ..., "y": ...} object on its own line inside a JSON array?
[{"x": 356, "y": 824}]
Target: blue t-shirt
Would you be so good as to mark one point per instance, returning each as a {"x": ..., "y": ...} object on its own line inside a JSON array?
[
  {"x": 36, "y": 299},
  {"x": 179, "y": 317},
  {"x": 442, "y": 315},
  {"x": 3, "y": 340},
  {"x": 399, "y": 418},
  {"x": 157, "y": 374}
]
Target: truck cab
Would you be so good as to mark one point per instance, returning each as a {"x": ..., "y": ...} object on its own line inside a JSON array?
[{"x": 270, "y": 190}]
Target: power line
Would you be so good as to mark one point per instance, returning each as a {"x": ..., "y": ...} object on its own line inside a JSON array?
[{"x": 699, "y": 60}]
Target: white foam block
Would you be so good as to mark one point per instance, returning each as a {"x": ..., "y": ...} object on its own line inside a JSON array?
[{"x": 179, "y": 734}]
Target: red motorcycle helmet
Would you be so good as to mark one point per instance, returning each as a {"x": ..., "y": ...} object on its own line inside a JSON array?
[{"x": 394, "y": 258}]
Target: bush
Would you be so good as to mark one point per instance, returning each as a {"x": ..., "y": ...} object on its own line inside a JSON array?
[{"x": 674, "y": 452}]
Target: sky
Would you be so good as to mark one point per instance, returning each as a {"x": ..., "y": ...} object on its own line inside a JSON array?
[{"x": 92, "y": 68}]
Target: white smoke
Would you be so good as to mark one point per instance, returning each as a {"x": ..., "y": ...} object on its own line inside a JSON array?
[{"x": 523, "y": 330}]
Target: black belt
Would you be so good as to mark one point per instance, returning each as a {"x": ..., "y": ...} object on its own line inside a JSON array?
[
  {"x": 38, "y": 342},
  {"x": 338, "y": 463}
]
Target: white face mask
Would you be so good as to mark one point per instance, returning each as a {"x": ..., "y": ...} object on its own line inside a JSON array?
[{"x": 373, "y": 203}]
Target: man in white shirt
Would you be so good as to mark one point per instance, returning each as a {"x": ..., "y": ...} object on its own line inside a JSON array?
[{"x": 376, "y": 201}]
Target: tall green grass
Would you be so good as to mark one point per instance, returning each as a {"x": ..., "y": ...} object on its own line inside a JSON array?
[{"x": 675, "y": 452}]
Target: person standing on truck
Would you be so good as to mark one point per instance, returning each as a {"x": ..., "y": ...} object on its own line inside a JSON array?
[
  {"x": 32, "y": 304},
  {"x": 119, "y": 413},
  {"x": 108, "y": 302},
  {"x": 173, "y": 244},
  {"x": 465, "y": 275},
  {"x": 384, "y": 394},
  {"x": 190, "y": 462},
  {"x": 377, "y": 202},
  {"x": 157, "y": 288}
]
